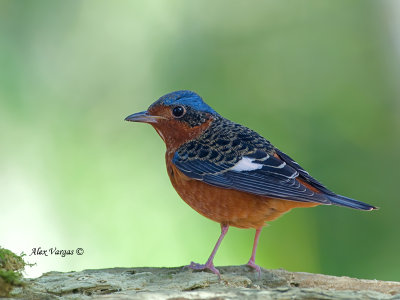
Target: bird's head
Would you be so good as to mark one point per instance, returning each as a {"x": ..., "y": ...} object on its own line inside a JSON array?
[{"x": 177, "y": 117}]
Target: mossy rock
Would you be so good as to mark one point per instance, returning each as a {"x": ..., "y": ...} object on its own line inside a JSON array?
[{"x": 11, "y": 267}]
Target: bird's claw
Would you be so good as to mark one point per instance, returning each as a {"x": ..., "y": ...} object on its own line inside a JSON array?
[
  {"x": 209, "y": 266},
  {"x": 253, "y": 265}
]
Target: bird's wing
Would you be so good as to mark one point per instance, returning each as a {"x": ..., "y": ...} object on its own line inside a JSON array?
[
  {"x": 303, "y": 174},
  {"x": 257, "y": 172},
  {"x": 231, "y": 156}
]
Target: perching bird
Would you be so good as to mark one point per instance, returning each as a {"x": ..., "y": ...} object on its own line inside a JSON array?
[{"x": 229, "y": 173}]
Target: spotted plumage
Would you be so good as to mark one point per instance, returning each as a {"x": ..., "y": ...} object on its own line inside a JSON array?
[
  {"x": 212, "y": 157},
  {"x": 228, "y": 172}
]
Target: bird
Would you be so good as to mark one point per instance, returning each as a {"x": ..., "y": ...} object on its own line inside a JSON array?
[{"x": 229, "y": 173}]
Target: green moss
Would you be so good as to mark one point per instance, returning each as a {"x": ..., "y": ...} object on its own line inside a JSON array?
[
  {"x": 11, "y": 267},
  {"x": 9, "y": 261}
]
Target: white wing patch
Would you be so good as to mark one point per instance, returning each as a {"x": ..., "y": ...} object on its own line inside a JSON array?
[
  {"x": 246, "y": 164},
  {"x": 280, "y": 166}
]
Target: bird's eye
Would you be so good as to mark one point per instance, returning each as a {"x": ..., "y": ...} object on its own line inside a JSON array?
[{"x": 178, "y": 111}]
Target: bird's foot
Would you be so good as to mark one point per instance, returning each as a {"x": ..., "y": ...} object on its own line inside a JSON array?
[
  {"x": 208, "y": 265},
  {"x": 253, "y": 265}
]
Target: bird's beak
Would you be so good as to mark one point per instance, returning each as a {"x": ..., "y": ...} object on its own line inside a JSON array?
[{"x": 143, "y": 117}]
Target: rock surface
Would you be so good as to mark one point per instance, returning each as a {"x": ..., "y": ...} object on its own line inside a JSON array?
[{"x": 237, "y": 282}]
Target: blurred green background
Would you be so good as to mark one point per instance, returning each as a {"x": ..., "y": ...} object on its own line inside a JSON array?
[{"x": 317, "y": 78}]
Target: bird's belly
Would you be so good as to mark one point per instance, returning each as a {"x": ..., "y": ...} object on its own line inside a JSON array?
[{"x": 229, "y": 206}]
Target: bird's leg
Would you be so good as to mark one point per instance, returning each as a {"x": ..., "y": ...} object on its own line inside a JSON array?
[
  {"x": 209, "y": 264},
  {"x": 252, "y": 261}
]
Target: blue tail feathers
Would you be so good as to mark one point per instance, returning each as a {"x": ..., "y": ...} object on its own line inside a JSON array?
[{"x": 348, "y": 202}]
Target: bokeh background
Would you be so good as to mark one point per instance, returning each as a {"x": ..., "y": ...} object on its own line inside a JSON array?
[{"x": 320, "y": 79}]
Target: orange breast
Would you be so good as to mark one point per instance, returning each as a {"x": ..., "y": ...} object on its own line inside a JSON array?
[{"x": 227, "y": 206}]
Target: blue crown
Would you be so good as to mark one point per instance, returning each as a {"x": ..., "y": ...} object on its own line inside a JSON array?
[{"x": 186, "y": 98}]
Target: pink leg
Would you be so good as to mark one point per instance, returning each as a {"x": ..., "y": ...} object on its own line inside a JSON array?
[
  {"x": 252, "y": 261},
  {"x": 209, "y": 264}
]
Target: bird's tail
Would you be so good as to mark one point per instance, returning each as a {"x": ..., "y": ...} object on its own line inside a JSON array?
[{"x": 348, "y": 202}]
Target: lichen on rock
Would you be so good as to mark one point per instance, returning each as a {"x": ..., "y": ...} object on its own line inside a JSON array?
[{"x": 237, "y": 282}]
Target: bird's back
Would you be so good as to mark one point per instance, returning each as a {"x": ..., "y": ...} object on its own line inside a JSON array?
[{"x": 225, "y": 142}]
